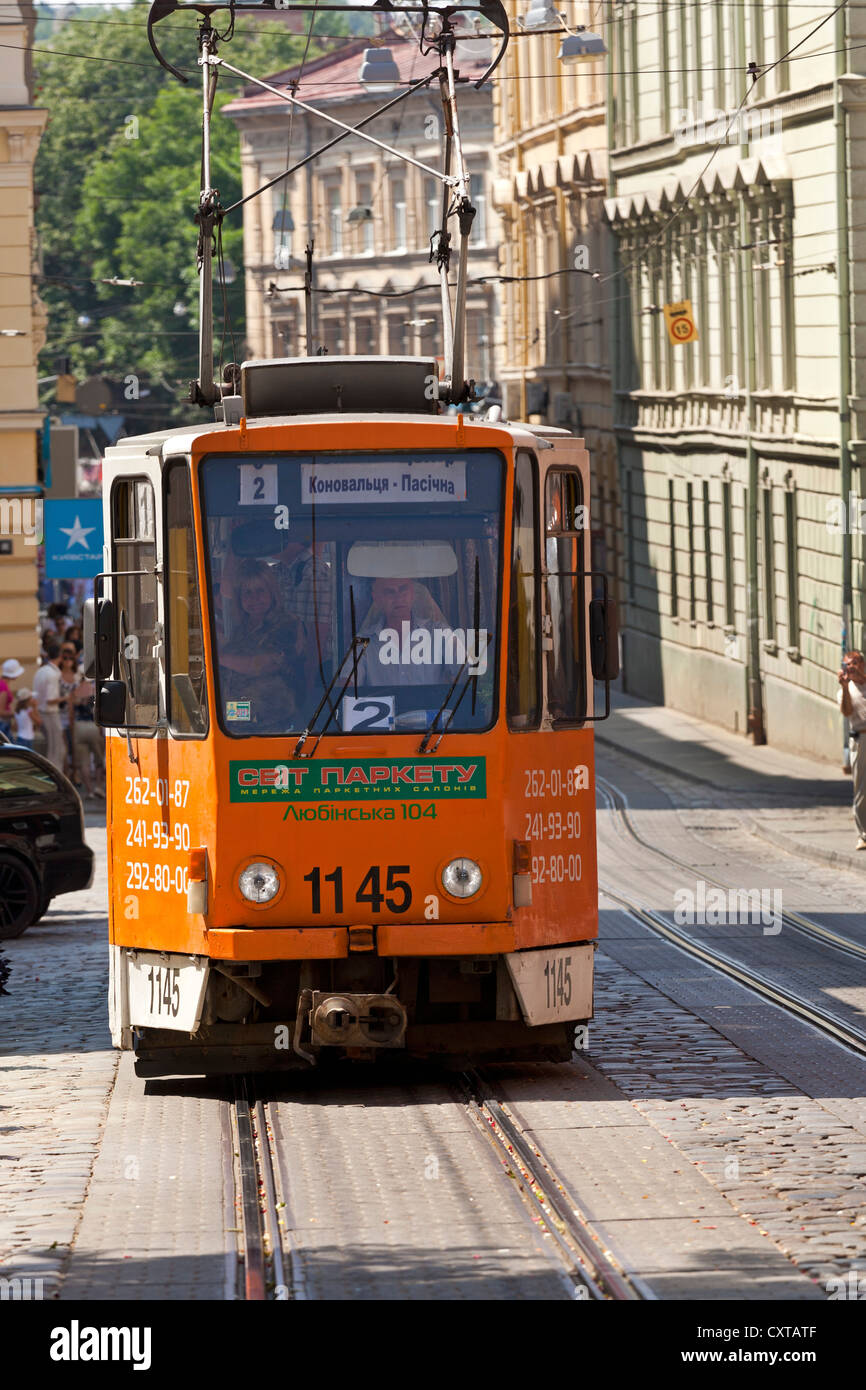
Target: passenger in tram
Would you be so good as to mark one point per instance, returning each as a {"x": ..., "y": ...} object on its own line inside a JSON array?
[
  {"x": 259, "y": 663},
  {"x": 307, "y": 585},
  {"x": 306, "y": 582}
]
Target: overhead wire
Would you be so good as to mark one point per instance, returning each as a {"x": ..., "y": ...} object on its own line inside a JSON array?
[
  {"x": 294, "y": 86},
  {"x": 765, "y": 70}
]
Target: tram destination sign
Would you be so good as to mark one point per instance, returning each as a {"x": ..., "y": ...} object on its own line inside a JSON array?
[
  {"x": 352, "y": 779},
  {"x": 414, "y": 480}
]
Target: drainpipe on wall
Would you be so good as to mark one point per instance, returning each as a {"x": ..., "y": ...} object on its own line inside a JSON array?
[
  {"x": 843, "y": 269},
  {"x": 613, "y": 349},
  {"x": 755, "y": 717}
]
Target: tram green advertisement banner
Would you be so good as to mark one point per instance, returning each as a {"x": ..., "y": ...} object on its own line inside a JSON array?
[{"x": 371, "y": 779}]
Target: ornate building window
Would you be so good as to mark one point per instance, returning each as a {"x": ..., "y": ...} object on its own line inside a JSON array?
[
  {"x": 335, "y": 220},
  {"x": 364, "y": 196},
  {"x": 398, "y": 211},
  {"x": 478, "y": 199},
  {"x": 708, "y": 553},
  {"x": 283, "y": 226},
  {"x": 768, "y": 558},
  {"x": 792, "y": 565}
]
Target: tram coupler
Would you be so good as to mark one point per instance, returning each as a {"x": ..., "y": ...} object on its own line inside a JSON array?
[{"x": 356, "y": 1020}]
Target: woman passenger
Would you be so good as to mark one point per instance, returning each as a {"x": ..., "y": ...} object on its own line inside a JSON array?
[{"x": 259, "y": 665}]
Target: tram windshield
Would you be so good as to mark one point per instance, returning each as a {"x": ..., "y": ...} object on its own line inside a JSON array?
[{"x": 399, "y": 553}]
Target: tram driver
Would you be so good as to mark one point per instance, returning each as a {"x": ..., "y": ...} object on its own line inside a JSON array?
[{"x": 402, "y": 624}]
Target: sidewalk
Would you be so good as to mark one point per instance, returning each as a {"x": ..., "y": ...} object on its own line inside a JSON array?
[{"x": 796, "y": 803}]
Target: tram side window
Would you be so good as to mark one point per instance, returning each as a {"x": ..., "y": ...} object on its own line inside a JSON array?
[
  {"x": 564, "y": 526},
  {"x": 187, "y": 696},
  {"x": 522, "y": 698},
  {"x": 134, "y": 531}
]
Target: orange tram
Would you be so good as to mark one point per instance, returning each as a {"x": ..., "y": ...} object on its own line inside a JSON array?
[{"x": 346, "y": 648}]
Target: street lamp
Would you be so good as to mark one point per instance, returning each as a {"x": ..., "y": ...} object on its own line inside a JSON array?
[
  {"x": 361, "y": 213},
  {"x": 379, "y": 72},
  {"x": 581, "y": 47},
  {"x": 543, "y": 15},
  {"x": 578, "y": 46}
]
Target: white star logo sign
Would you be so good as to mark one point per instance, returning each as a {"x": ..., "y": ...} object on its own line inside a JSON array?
[{"x": 77, "y": 534}]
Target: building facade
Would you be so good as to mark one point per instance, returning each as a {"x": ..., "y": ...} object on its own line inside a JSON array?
[
  {"x": 740, "y": 450},
  {"x": 551, "y": 164},
  {"x": 22, "y": 335},
  {"x": 370, "y": 215}
]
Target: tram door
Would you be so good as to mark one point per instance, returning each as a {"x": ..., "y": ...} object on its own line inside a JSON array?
[
  {"x": 153, "y": 698},
  {"x": 551, "y": 806}
]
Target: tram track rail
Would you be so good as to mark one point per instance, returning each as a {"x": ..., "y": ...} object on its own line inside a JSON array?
[
  {"x": 260, "y": 1262},
  {"x": 794, "y": 921},
  {"x": 267, "y": 1267},
  {"x": 788, "y": 1000},
  {"x": 595, "y": 1272}
]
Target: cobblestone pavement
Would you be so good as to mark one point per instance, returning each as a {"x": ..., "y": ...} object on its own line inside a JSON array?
[
  {"x": 786, "y": 1162},
  {"x": 773, "y": 1113},
  {"x": 56, "y": 1073},
  {"x": 722, "y": 1154}
]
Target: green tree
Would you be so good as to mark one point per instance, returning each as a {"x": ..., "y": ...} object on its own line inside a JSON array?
[{"x": 117, "y": 179}]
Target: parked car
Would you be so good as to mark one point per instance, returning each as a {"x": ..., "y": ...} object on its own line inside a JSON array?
[{"x": 42, "y": 848}]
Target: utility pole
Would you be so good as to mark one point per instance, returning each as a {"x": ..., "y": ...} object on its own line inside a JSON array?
[
  {"x": 308, "y": 296},
  {"x": 847, "y": 640},
  {"x": 204, "y": 391},
  {"x": 755, "y": 717}
]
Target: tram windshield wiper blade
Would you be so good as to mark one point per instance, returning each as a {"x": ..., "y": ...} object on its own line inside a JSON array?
[
  {"x": 422, "y": 748},
  {"x": 431, "y": 728},
  {"x": 356, "y": 642}
]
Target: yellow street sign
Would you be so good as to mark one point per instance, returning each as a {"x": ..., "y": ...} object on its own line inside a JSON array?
[{"x": 681, "y": 322}]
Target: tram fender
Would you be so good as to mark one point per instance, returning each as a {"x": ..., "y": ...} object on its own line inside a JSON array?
[
  {"x": 118, "y": 1000},
  {"x": 553, "y": 984}
]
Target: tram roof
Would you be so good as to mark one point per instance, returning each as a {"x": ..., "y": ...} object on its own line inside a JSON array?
[
  {"x": 184, "y": 438},
  {"x": 322, "y": 391}
]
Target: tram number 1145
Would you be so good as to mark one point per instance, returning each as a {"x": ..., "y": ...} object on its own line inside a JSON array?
[
  {"x": 164, "y": 990},
  {"x": 557, "y": 977},
  {"x": 396, "y": 894}
]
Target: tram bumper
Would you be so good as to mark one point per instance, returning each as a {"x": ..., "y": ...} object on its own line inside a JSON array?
[{"x": 190, "y": 1014}]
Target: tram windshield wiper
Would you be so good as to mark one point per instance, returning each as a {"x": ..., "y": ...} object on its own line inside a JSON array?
[
  {"x": 355, "y": 650},
  {"x": 475, "y": 661},
  {"x": 431, "y": 729}
]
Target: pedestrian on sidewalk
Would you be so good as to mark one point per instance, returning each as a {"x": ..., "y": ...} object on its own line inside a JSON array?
[
  {"x": 46, "y": 688},
  {"x": 10, "y": 671},
  {"x": 852, "y": 702},
  {"x": 26, "y": 717}
]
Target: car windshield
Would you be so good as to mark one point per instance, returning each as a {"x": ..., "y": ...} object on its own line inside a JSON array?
[
  {"x": 306, "y": 552},
  {"x": 21, "y": 778}
]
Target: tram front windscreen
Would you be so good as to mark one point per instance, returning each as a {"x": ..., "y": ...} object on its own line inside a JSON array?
[{"x": 367, "y": 582}]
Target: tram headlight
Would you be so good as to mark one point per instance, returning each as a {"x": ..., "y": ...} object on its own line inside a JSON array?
[
  {"x": 462, "y": 878},
  {"x": 259, "y": 882}
]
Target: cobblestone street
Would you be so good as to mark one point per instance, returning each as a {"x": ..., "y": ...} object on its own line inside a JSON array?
[
  {"x": 716, "y": 1145},
  {"x": 57, "y": 1067}
]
